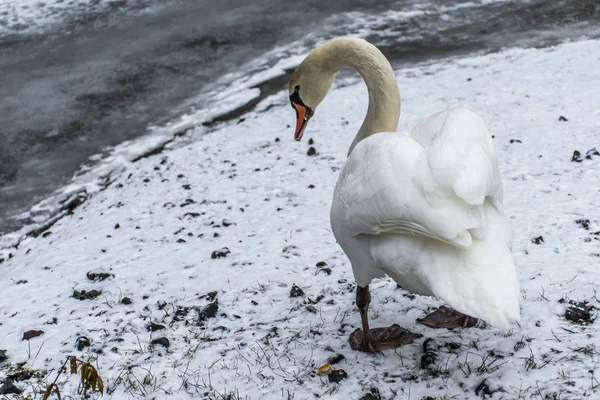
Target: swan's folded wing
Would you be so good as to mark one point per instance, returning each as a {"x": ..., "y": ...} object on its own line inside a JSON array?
[
  {"x": 431, "y": 181},
  {"x": 459, "y": 156}
]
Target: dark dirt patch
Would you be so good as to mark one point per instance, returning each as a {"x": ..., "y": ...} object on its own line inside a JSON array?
[
  {"x": 32, "y": 334},
  {"x": 337, "y": 375},
  {"x": 163, "y": 341},
  {"x": 9, "y": 388},
  {"x": 335, "y": 359},
  {"x": 581, "y": 313},
  {"x": 583, "y": 223},
  {"x": 372, "y": 395},
  {"x": 429, "y": 356},
  {"x": 152, "y": 327},
  {"x": 295, "y": 291},
  {"x": 220, "y": 253},
  {"x": 82, "y": 342},
  {"x": 99, "y": 276},
  {"x": 85, "y": 295},
  {"x": 210, "y": 311}
]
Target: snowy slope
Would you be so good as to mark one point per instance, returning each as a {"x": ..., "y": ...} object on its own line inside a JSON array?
[{"x": 249, "y": 187}]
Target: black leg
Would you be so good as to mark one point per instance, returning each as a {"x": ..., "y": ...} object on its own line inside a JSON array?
[
  {"x": 372, "y": 341},
  {"x": 363, "y": 299}
]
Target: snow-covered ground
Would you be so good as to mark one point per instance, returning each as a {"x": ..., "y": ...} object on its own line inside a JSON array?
[{"x": 160, "y": 228}]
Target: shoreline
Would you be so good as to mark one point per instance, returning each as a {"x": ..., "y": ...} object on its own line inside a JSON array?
[
  {"x": 267, "y": 87},
  {"x": 411, "y": 34}
]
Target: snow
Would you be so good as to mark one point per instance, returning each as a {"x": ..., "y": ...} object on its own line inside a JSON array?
[{"x": 154, "y": 227}]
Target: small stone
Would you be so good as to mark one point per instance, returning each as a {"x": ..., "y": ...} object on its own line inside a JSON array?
[
  {"x": 538, "y": 240},
  {"x": 311, "y": 309},
  {"x": 161, "y": 304},
  {"x": 82, "y": 342},
  {"x": 321, "y": 264},
  {"x": 99, "y": 276},
  {"x": 3, "y": 355},
  {"x": 85, "y": 295},
  {"x": 311, "y": 151},
  {"x": 372, "y": 395},
  {"x": 126, "y": 301},
  {"x": 562, "y": 118},
  {"x": 335, "y": 359},
  {"x": 163, "y": 341},
  {"x": 591, "y": 152},
  {"x": 337, "y": 375},
  {"x": 311, "y": 141},
  {"x": 210, "y": 295},
  {"x": 580, "y": 313},
  {"x": 32, "y": 334},
  {"x": 117, "y": 226},
  {"x": 226, "y": 223},
  {"x": 295, "y": 291},
  {"x": 51, "y": 321},
  {"x": 277, "y": 139},
  {"x": 220, "y": 253},
  {"x": 515, "y": 141},
  {"x": 180, "y": 240},
  {"x": 152, "y": 327},
  {"x": 576, "y": 156},
  {"x": 9, "y": 388},
  {"x": 210, "y": 311},
  {"x": 583, "y": 222}
]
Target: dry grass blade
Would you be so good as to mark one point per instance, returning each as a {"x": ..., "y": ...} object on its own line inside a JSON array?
[{"x": 90, "y": 379}]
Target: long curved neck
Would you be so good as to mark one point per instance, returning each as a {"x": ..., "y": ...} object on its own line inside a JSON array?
[{"x": 384, "y": 98}]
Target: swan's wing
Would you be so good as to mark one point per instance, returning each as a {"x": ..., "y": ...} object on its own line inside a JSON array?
[
  {"x": 430, "y": 181},
  {"x": 459, "y": 156}
]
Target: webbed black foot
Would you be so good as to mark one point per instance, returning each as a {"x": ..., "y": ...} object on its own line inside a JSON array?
[
  {"x": 382, "y": 339},
  {"x": 446, "y": 317}
]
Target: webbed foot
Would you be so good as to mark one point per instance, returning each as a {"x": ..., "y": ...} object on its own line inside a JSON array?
[
  {"x": 382, "y": 339},
  {"x": 446, "y": 317}
]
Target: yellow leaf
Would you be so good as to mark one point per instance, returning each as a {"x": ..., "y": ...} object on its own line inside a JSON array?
[
  {"x": 323, "y": 369},
  {"x": 73, "y": 365}
]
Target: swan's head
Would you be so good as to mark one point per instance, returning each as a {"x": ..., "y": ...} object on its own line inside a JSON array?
[{"x": 309, "y": 85}]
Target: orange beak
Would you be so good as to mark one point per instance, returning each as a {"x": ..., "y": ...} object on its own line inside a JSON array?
[{"x": 303, "y": 114}]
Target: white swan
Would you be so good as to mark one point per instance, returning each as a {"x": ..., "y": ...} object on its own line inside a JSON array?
[{"x": 423, "y": 206}]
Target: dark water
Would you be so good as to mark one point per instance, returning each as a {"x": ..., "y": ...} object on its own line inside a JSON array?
[{"x": 101, "y": 78}]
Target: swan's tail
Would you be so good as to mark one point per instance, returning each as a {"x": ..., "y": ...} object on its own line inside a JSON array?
[{"x": 483, "y": 281}]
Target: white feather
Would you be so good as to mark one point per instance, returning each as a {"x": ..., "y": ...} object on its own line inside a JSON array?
[{"x": 424, "y": 206}]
